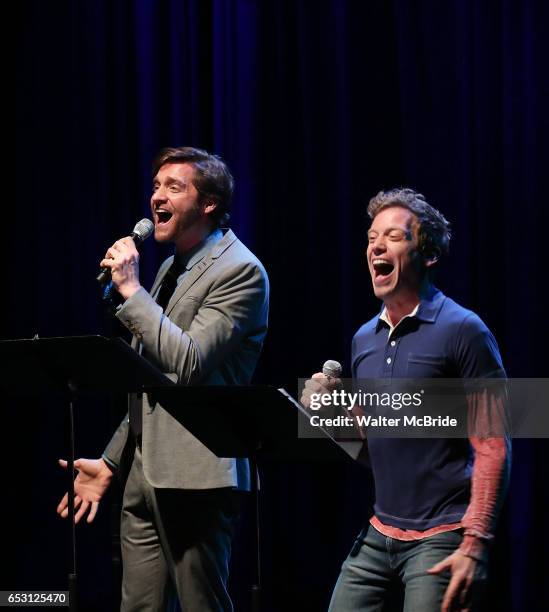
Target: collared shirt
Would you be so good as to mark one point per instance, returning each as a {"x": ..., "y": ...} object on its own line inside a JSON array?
[
  {"x": 181, "y": 264},
  {"x": 190, "y": 258},
  {"x": 424, "y": 483},
  {"x": 384, "y": 316},
  {"x": 407, "y": 535}
]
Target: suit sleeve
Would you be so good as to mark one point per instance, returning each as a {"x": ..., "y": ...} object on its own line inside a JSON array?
[
  {"x": 235, "y": 308},
  {"x": 113, "y": 452}
]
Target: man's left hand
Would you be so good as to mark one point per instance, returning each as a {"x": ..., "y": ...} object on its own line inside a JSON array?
[
  {"x": 462, "y": 569},
  {"x": 123, "y": 261}
]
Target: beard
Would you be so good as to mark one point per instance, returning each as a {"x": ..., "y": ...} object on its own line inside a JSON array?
[
  {"x": 188, "y": 219},
  {"x": 179, "y": 224}
]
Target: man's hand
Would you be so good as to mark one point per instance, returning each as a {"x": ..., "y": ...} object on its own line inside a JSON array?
[
  {"x": 459, "y": 591},
  {"x": 123, "y": 260},
  {"x": 93, "y": 479},
  {"x": 318, "y": 383}
]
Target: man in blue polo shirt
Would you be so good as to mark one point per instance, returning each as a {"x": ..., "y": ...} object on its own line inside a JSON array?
[{"x": 437, "y": 500}]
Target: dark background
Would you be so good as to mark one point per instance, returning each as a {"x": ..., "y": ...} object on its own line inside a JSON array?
[{"x": 315, "y": 106}]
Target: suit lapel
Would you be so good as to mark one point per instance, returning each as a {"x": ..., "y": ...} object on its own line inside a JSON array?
[{"x": 199, "y": 268}]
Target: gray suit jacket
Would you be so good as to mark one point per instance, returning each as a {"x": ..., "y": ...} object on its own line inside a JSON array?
[{"x": 211, "y": 334}]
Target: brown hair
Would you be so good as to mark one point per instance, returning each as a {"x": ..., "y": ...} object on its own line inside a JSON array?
[
  {"x": 213, "y": 181},
  {"x": 434, "y": 230}
]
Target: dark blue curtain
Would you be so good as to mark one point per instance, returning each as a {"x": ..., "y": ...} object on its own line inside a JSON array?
[{"x": 316, "y": 106}]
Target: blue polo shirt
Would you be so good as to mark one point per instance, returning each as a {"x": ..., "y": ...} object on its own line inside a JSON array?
[{"x": 422, "y": 483}]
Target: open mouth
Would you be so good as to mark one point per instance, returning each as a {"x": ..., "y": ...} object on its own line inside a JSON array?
[
  {"x": 382, "y": 269},
  {"x": 163, "y": 216}
]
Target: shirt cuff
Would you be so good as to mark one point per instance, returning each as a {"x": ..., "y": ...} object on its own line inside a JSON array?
[{"x": 109, "y": 463}]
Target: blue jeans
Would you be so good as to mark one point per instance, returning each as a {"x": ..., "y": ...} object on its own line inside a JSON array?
[{"x": 381, "y": 570}]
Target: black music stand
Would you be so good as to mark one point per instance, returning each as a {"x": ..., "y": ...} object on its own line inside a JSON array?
[
  {"x": 251, "y": 421},
  {"x": 73, "y": 365},
  {"x": 257, "y": 422}
]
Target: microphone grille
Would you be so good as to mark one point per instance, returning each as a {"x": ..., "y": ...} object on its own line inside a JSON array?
[
  {"x": 332, "y": 368},
  {"x": 143, "y": 229}
]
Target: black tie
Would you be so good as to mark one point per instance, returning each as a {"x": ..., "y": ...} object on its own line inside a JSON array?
[{"x": 169, "y": 283}]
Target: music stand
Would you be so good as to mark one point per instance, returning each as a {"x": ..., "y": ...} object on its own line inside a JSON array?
[
  {"x": 257, "y": 422},
  {"x": 74, "y": 365}
]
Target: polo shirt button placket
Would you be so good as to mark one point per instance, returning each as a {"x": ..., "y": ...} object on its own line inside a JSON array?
[{"x": 389, "y": 358}]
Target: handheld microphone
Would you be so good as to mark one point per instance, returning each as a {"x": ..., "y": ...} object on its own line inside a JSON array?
[
  {"x": 332, "y": 369},
  {"x": 142, "y": 230}
]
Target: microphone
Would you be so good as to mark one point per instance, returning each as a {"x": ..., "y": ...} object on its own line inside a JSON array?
[
  {"x": 142, "y": 230},
  {"x": 332, "y": 369}
]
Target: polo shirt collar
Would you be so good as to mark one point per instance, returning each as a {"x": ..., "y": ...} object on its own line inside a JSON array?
[
  {"x": 430, "y": 305},
  {"x": 427, "y": 310}
]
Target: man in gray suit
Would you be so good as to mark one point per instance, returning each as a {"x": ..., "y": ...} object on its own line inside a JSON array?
[{"x": 203, "y": 323}]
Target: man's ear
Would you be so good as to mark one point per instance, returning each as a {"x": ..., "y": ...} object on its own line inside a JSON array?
[
  {"x": 209, "y": 207},
  {"x": 430, "y": 259}
]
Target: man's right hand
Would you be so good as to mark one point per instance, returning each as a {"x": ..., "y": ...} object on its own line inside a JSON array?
[
  {"x": 93, "y": 479},
  {"x": 123, "y": 261},
  {"x": 318, "y": 383}
]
